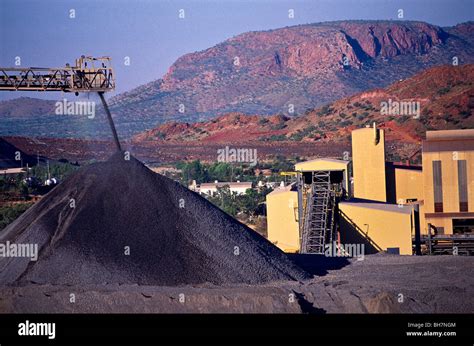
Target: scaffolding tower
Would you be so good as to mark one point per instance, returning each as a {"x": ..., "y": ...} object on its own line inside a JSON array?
[{"x": 319, "y": 214}]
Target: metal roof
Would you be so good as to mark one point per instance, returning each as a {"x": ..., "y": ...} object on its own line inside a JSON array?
[
  {"x": 395, "y": 208},
  {"x": 444, "y": 135}
]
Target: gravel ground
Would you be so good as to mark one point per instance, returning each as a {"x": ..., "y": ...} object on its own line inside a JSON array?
[
  {"x": 185, "y": 255},
  {"x": 396, "y": 284},
  {"x": 439, "y": 284},
  {"x": 129, "y": 225}
]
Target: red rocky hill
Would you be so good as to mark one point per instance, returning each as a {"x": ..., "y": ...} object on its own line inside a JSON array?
[
  {"x": 299, "y": 67},
  {"x": 445, "y": 95}
]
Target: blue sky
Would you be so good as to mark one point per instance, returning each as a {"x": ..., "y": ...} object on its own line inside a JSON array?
[{"x": 151, "y": 33}]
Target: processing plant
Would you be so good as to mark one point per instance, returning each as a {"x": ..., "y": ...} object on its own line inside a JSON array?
[{"x": 397, "y": 208}]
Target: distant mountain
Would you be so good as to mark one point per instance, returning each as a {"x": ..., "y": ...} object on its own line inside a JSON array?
[
  {"x": 445, "y": 95},
  {"x": 31, "y": 117},
  {"x": 24, "y": 107},
  {"x": 266, "y": 72},
  {"x": 286, "y": 71}
]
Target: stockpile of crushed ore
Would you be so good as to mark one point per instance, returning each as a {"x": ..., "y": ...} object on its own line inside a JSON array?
[
  {"x": 9, "y": 158},
  {"x": 117, "y": 222}
]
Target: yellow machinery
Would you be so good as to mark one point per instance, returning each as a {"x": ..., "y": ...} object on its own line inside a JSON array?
[{"x": 292, "y": 174}]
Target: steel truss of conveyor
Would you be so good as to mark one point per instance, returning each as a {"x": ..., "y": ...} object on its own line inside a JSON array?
[
  {"x": 90, "y": 74},
  {"x": 319, "y": 220},
  {"x": 84, "y": 77}
]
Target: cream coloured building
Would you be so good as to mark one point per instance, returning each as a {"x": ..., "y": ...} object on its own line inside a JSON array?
[{"x": 390, "y": 201}]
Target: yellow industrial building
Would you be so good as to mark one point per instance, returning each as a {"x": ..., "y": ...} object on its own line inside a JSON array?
[
  {"x": 282, "y": 218},
  {"x": 448, "y": 180},
  {"x": 388, "y": 207}
]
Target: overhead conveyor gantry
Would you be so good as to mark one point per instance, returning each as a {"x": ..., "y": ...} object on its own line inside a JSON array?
[{"x": 89, "y": 74}]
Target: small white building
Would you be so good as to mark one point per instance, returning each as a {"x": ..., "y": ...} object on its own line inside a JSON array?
[
  {"x": 211, "y": 188},
  {"x": 7, "y": 171}
]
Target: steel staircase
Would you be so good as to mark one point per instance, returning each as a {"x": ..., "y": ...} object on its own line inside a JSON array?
[{"x": 318, "y": 228}]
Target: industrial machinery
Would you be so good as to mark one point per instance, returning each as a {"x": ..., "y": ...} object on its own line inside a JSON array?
[
  {"x": 448, "y": 244},
  {"x": 320, "y": 191},
  {"x": 89, "y": 74}
]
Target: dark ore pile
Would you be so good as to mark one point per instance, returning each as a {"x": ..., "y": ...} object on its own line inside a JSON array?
[{"x": 117, "y": 222}]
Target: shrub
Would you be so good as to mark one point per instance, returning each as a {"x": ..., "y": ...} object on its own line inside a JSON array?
[
  {"x": 277, "y": 138},
  {"x": 279, "y": 126},
  {"x": 325, "y": 110},
  {"x": 444, "y": 90},
  {"x": 345, "y": 123}
]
